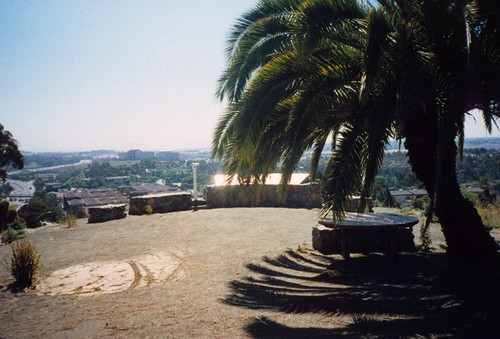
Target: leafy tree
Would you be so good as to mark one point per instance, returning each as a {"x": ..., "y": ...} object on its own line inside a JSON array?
[
  {"x": 39, "y": 184},
  {"x": 42, "y": 206},
  {"x": 4, "y": 209},
  {"x": 302, "y": 71},
  {"x": 486, "y": 197},
  {"x": 5, "y": 189},
  {"x": 10, "y": 156},
  {"x": 97, "y": 169}
]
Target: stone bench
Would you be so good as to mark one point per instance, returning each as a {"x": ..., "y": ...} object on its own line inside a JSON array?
[{"x": 365, "y": 232}]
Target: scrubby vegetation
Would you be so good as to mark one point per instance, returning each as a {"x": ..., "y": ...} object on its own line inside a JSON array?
[
  {"x": 41, "y": 207},
  {"x": 71, "y": 220},
  {"x": 25, "y": 263},
  {"x": 490, "y": 215}
]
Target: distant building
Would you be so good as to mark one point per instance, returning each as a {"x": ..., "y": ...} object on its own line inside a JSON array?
[
  {"x": 146, "y": 189},
  {"x": 168, "y": 155},
  {"x": 133, "y": 154},
  {"x": 83, "y": 199},
  {"x": 117, "y": 181},
  {"x": 137, "y": 154},
  {"x": 405, "y": 197},
  {"x": 53, "y": 186}
]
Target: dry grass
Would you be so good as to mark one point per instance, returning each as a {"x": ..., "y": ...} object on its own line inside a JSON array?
[
  {"x": 490, "y": 214},
  {"x": 25, "y": 263}
]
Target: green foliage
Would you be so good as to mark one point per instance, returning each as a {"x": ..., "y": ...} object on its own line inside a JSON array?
[
  {"x": 42, "y": 206},
  {"x": 148, "y": 209},
  {"x": 382, "y": 195},
  {"x": 11, "y": 214},
  {"x": 7, "y": 214},
  {"x": 477, "y": 164},
  {"x": 5, "y": 189},
  {"x": 4, "y": 209},
  {"x": 487, "y": 197},
  {"x": 10, "y": 235},
  {"x": 25, "y": 263},
  {"x": 299, "y": 72},
  {"x": 471, "y": 196},
  {"x": 104, "y": 169},
  {"x": 10, "y": 156},
  {"x": 490, "y": 214},
  {"x": 424, "y": 204},
  {"x": 425, "y": 237},
  {"x": 39, "y": 184},
  {"x": 17, "y": 224}
]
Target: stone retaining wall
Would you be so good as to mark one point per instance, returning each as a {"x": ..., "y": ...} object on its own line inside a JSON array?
[
  {"x": 298, "y": 196},
  {"x": 106, "y": 213},
  {"x": 160, "y": 203}
]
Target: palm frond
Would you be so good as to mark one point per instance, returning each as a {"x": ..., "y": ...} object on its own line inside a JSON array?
[{"x": 342, "y": 175}]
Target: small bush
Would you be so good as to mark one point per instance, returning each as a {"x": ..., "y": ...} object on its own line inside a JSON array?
[
  {"x": 425, "y": 237},
  {"x": 17, "y": 224},
  {"x": 490, "y": 215},
  {"x": 471, "y": 196},
  {"x": 71, "y": 220},
  {"x": 11, "y": 215},
  {"x": 10, "y": 235},
  {"x": 148, "y": 209},
  {"x": 25, "y": 263}
]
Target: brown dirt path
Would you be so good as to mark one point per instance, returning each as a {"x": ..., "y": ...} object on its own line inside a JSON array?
[{"x": 226, "y": 273}]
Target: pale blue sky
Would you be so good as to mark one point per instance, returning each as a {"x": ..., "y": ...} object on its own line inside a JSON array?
[{"x": 82, "y": 75}]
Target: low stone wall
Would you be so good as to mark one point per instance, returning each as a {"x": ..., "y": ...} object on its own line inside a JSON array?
[
  {"x": 327, "y": 240},
  {"x": 298, "y": 196},
  {"x": 160, "y": 203},
  {"x": 106, "y": 213}
]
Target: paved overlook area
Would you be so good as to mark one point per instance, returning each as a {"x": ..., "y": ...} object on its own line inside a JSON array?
[{"x": 233, "y": 273}]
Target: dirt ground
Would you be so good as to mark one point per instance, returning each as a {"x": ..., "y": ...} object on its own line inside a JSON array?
[{"x": 231, "y": 273}]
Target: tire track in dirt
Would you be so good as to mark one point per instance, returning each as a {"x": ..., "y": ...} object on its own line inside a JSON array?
[
  {"x": 137, "y": 275},
  {"x": 113, "y": 277}
]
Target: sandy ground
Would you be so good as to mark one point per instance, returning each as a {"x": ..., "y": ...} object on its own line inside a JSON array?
[{"x": 227, "y": 273}]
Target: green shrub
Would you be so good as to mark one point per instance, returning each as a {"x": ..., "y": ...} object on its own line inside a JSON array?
[
  {"x": 11, "y": 215},
  {"x": 18, "y": 224},
  {"x": 425, "y": 237},
  {"x": 490, "y": 214},
  {"x": 10, "y": 235},
  {"x": 4, "y": 209},
  {"x": 471, "y": 196},
  {"x": 25, "y": 263},
  {"x": 148, "y": 209}
]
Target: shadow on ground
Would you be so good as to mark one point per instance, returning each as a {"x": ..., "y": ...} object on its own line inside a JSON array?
[{"x": 417, "y": 296}]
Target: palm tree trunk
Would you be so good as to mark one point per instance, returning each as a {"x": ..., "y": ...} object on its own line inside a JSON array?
[{"x": 466, "y": 237}]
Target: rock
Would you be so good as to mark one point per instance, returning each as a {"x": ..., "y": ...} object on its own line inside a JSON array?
[
  {"x": 106, "y": 213},
  {"x": 326, "y": 240},
  {"x": 160, "y": 203}
]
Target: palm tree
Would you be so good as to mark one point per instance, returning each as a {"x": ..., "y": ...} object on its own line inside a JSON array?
[{"x": 302, "y": 71}]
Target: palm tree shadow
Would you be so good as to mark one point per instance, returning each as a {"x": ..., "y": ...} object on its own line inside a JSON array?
[{"x": 416, "y": 296}]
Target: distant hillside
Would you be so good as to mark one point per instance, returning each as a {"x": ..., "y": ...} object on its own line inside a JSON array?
[{"x": 487, "y": 143}]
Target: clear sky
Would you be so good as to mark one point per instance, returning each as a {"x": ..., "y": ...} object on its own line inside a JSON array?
[{"x": 115, "y": 74}]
